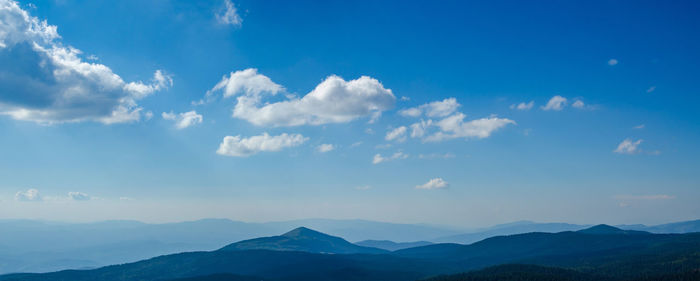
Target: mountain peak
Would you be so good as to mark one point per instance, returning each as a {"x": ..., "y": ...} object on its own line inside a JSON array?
[
  {"x": 305, "y": 240},
  {"x": 607, "y": 229},
  {"x": 303, "y": 231}
]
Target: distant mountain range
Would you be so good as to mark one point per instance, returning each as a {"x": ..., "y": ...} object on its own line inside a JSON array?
[
  {"x": 597, "y": 253},
  {"x": 392, "y": 246},
  {"x": 37, "y": 246}
]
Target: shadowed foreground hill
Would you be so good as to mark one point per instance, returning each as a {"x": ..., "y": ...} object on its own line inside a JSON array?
[
  {"x": 602, "y": 250},
  {"x": 304, "y": 240}
]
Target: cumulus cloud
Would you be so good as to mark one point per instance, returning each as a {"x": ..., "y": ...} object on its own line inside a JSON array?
[
  {"x": 397, "y": 134},
  {"x": 44, "y": 81},
  {"x": 612, "y": 62},
  {"x": 183, "y": 120},
  {"x": 378, "y": 158},
  {"x": 433, "y": 109},
  {"x": 523, "y": 105},
  {"x": 323, "y": 148},
  {"x": 243, "y": 147},
  {"x": 455, "y": 127},
  {"x": 556, "y": 103},
  {"x": 435, "y": 183},
  {"x": 78, "y": 196},
  {"x": 229, "y": 14},
  {"x": 28, "y": 195},
  {"x": 450, "y": 126},
  {"x": 246, "y": 82},
  {"x": 578, "y": 104},
  {"x": 628, "y": 146},
  {"x": 332, "y": 101}
]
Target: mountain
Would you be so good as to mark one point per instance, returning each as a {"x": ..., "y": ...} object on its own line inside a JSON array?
[
  {"x": 44, "y": 246},
  {"x": 304, "y": 240},
  {"x": 604, "y": 229},
  {"x": 358, "y": 230},
  {"x": 391, "y": 245},
  {"x": 604, "y": 251},
  {"x": 676, "y": 227},
  {"x": 508, "y": 229}
]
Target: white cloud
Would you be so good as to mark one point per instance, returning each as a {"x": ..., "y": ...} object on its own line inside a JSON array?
[
  {"x": 45, "y": 81},
  {"x": 183, "y": 120},
  {"x": 523, "y": 106},
  {"x": 556, "y": 103},
  {"x": 29, "y": 195},
  {"x": 433, "y": 109},
  {"x": 78, "y": 196},
  {"x": 243, "y": 147},
  {"x": 639, "y": 127},
  {"x": 628, "y": 146},
  {"x": 578, "y": 104},
  {"x": 323, "y": 148},
  {"x": 356, "y": 144},
  {"x": 612, "y": 62},
  {"x": 229, "y": 14},
  {"x": 405, "y": 98},
  {"x": 435, "y": 183},
  {"x": 651, "y": 89},
  {"x": 455, "y": 127},
  {"x": 378, "y": 158},
  {"x": 332, "y": 101},
  {"x": 124, "y": 198},
  {"x": 245, "y": 82},
  {"x": 397, "y": 134}
]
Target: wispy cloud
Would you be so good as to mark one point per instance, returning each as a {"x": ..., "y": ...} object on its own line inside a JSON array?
[
  {"x": 397, "y": 134},
  {"x": 612, "y": 62},
  {"x": 183, "y": 120},
  {"x": 523, "y": 106},
  {"x": 326, "y": 147},
  {"x": 378, "y": 158},
  {"x": 556, "y": 103},
  {"x": 651, "y": 89},
  {"x": 628, "y": 146},
  {"x": 228, "y": 14},
  {"x": 436, "y": 183}
]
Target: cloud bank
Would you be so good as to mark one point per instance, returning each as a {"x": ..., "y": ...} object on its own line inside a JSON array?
[{"x": 44, "y": 81}]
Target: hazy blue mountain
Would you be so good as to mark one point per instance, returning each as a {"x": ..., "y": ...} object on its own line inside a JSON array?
[
  {"x": 603, "y": 229},
  {"x": 676, "y": 227},
  {"x": 602, "y": 250},
  {"x": 358, "y": 230},
  {"x": 391, "y": 245},
  {"x": 508, "y": 229},
  {"x": 43, "y": 246},
  {"x": 304, "y": 240}
]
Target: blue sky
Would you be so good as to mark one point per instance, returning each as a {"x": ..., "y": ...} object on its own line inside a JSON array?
[{"x": 455, "y": 113}]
